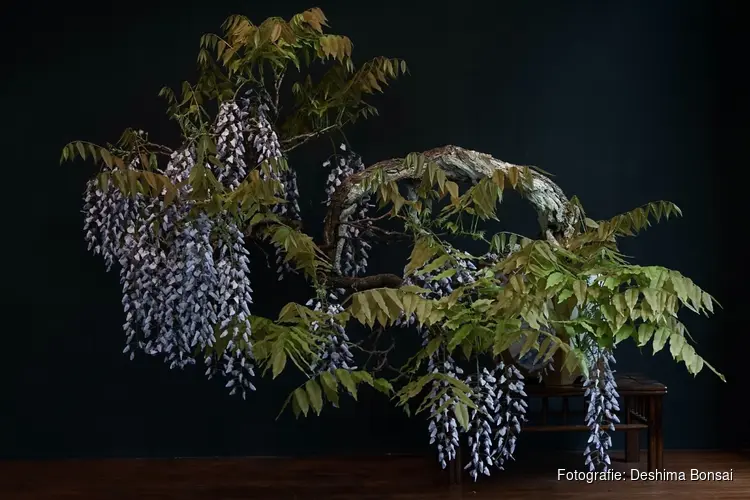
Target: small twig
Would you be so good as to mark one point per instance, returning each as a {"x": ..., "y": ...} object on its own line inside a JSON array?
[
  {"x": 164, "y": 149},
  {"x": 381, "y": 352},
  {"x": 368, "y": 219},
  {"x": 303, "y": 138},
  {"x": 388, "y": 234},
  {"x": 279, "y": 80}
]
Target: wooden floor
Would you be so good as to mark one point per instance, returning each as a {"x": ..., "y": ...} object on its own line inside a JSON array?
[{"x": 352, "y": 478}]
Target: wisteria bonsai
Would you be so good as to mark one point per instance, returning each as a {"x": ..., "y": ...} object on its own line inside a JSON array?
[{"x": 176, "y": 223}]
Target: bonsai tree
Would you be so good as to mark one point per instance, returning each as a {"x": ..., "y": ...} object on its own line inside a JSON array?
[{"x": 177, "y": 221}]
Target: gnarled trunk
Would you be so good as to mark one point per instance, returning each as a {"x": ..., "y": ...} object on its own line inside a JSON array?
[{"x": 557, "y": 216}]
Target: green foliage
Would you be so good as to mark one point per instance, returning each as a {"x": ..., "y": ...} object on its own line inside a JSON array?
[{"x": 545, "y": 295}]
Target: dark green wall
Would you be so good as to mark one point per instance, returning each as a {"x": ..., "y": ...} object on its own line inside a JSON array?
[{"x": 625, "y": 102}]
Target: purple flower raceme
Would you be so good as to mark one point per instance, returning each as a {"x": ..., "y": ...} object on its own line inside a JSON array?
[
  {"x": 185, "y": 277},
  {"x": 264, "y": 146},
  {"x": 355, "y": 253},
  {"x": 602, "y": 405},
  {"x": 334, "y": 351}
]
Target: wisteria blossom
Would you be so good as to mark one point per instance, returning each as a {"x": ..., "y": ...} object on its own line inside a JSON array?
[{"x": 602, "y": 405}]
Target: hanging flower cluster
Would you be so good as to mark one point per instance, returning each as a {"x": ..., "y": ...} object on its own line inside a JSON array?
[
  {"x": 442, "y": 425},
  {"x": 512, "y": 399},
  {"x": 443, "y": 428},
  {"x": 356, "y": 248},
  {"x": 496, "y": 423},
  {"x": 185, "y": 279},
  {"x": 499, "y": 394},
  {"x": 230, "y": 143},
  {"x": 602, "y": 405},
  {"x": 334, "y": 352},
  {"x": 480, "y": 433},
  {"x": 265, "y": 146}
]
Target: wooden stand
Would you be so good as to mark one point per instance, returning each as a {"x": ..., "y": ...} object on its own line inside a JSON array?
[{"x": 642, "y": 407}]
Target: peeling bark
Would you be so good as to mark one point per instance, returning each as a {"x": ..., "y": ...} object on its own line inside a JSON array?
[{"x": 557, "y": 216}]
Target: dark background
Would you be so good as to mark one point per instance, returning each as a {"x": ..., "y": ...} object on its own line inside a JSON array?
[{"x": 625, "y": 102}]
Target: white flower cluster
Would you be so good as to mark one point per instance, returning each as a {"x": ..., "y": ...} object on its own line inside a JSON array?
[
  {"x": 602, "y": 405},
  {"x": 495, "y": 426},
  {"x": 185, "y": 279},
  {"x": 356, "y": 248},
  {"x": 513, "y": 406},
  {"x": 266, "y": 146},
  {"x": 482, "y": 419},
  {"x": 230, "y": 143},
  {"x": 499, "y": 394},
  {"x": 334, "y": 350},
  {"x": 443, "y": 427}
]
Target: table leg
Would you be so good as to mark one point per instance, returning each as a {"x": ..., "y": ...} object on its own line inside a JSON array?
[
  {"x": 632, "y": 437},
  {"x": 655, "y": 435}
]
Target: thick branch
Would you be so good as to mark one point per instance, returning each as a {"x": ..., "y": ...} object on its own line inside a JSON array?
[
  {"x": 557, "y": 216},
  {"x": 251, "y": 231},
  {"x": 358, "y": 284}
]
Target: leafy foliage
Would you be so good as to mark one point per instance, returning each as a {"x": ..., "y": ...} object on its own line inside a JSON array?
[{"x": 176, "y": 222}]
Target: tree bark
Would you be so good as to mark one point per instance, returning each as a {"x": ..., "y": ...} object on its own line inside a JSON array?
[
  {"x": 358, "y": 284},
  {"x": 557, "y": 216}
]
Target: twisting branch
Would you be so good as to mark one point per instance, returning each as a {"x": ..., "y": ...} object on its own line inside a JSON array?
[
  {"x": 358, "y": 284},
  {"x": 557, "y": 216}
]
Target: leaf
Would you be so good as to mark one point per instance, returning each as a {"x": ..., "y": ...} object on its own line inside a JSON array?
[
  {"x": 360, "y": 376},
  {"x": 579, "y": 288},
  {"x": 620, "y": 303},
  {"x": 462, "y": 415},
  {"x": 708, "y": 302},
  {"x": 314, "y": 395},
  {"x": 363, "y": 308},
  {"x": 689, "y": 357},
  {"x": 106, "y": 156},
  {"x": 300, "y": 396},
  {"x": 459, "y": 336},
  {"x": 676, "y": 343},
  {"x": 347, "y": 381},
  {"x": 434, "y": 265},
  {"x": 660, "y": 338},
  {"x": 543, "y": 347},
  {"x": 504, "y": 340},
  {"x": 481, "y": 305},
  {"x": 697, "y": 365},
  {"x": 554, "y": 278},
  {"x": 652, "y": 299},
  {"x": 572, "y": 362},
  {"x": 330, "y": 387},
  {"x": 81, "y": 149},
  {"x": 631, "y": 298},
  {"x": 452, "y": 188},
  {"x": 564, "y": 295},
  {"x": 624, "y": 333},
  {"x": 528, "y": 344},
  {"x": 279, "y": 362},
  {"x": 382, "y": 385},
  {"x": 420, "y": 254},
  {"x": 608, "y": 312},
  {"x": 393, "y": 296},
  {"x": 645, "y": 332},
  {"x": 379, "y": 301}
]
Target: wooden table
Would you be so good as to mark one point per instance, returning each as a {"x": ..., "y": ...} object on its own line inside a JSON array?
[{"x": 642, "y": 410}]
